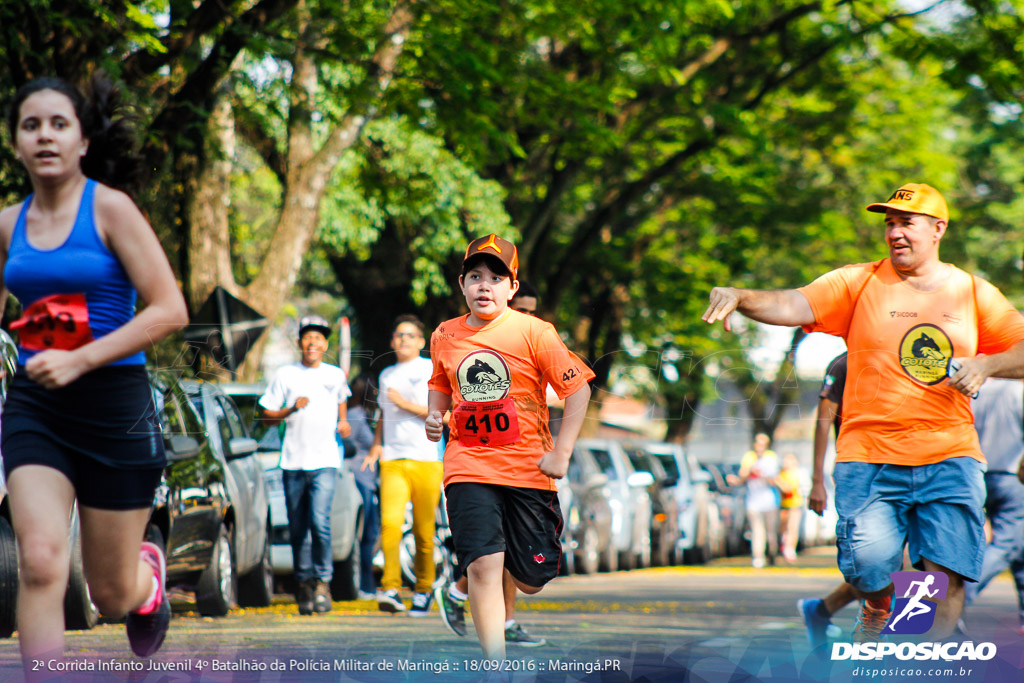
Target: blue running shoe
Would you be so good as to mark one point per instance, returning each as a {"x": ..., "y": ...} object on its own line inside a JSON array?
[{"x": 817, "y": 625}]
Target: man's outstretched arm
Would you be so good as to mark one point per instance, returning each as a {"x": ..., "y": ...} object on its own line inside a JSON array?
[{"x": 775, "y": 307}]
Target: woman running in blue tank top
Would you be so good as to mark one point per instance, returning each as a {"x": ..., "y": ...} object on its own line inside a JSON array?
[{"x": 79, "y": 421}]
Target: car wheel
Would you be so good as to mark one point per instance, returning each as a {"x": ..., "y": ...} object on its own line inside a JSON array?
[
  {"x": 609, "y": 558},
  {"x": 79, "y": 612},
  {"x": 345, "y": 581},
  {"x": 8, "y": 579},
  {"x": 215, "y": 591},
  {"x": 588, "y": 557},
  {"x": 256, "y": 589}
]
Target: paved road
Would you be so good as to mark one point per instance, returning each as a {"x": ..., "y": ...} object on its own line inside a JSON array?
[{"x": 725, "y": 622}]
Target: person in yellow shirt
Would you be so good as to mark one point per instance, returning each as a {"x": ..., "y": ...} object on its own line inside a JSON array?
[
  {"x": 791, "y": 507},
  {"x": 922, "y": 336}
]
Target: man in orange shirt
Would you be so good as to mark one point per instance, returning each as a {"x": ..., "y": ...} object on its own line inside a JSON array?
[
  {"x": 490, "y": 369},
  {"x": 909, "y": 462}
]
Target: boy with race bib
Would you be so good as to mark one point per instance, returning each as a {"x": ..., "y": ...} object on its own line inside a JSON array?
[{"x": 490, "y": 369}]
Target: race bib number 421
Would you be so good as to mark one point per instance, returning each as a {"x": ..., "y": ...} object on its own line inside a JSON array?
[{"x": 491, "y": 423}]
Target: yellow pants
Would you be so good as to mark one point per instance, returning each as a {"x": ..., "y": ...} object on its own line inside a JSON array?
[{"x": 400, "y": 482}]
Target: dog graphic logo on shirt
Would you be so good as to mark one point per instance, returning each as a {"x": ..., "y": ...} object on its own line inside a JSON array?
[
  {"x": 924, "y": 353},
  {"x": 484, "y": 376}
]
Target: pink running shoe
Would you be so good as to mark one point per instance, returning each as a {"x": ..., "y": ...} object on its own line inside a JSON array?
[{"x": 146, "y": 631}]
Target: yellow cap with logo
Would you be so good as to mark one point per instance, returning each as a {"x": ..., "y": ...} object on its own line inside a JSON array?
[{"x": 915, "y": 198}]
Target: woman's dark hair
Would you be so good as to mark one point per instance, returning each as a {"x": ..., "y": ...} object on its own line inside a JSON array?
[{"x": 111, "y": 158}]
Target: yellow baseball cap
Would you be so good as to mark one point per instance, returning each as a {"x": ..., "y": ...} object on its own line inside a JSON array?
[{"x": 915, "y": 198}]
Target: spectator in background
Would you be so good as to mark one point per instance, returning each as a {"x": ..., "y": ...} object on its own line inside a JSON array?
[
  {"x": 309, "y": 397},
  {"x": 361, "y": 405},
  {"x": 758, "y": 470},
  {"x": 791, "y": 483},
  {"x": 410, "y": 467},
  {"x": 526, "y": 299}
]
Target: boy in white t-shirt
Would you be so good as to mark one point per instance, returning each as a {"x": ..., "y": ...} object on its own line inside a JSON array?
[
  {"x": 410, "y": 467},
  {"x": 309, "y": 397}
]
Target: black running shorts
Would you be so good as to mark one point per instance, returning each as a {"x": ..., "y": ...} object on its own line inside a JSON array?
[
  {"x": 100, "y": 431},
  {"x": 525, "y": 524}
]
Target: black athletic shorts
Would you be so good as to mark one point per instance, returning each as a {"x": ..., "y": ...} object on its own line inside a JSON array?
[
  {"x": 100, "y": 431},
  {"x": 525, "y": 524}
]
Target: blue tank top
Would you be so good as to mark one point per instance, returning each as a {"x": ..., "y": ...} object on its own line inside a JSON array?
[{"x": 82, "y": 265}]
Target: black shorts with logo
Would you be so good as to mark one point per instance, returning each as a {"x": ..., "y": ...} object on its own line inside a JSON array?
[
  {"x": 524, "y": 523},
  {"x": 101, "y": 431}
]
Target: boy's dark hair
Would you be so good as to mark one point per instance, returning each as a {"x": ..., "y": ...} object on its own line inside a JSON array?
[
  {"x": 363, "y": 392},
  {"x": 412, "y": 320},
  {"x": 111, "y": 158},
  {"x": 493, "y": 262},
  {"x": 526, "y": 289}
]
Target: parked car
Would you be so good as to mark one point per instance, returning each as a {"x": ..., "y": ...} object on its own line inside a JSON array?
[
  {"x": 700, "y": 528},
  {"x": 212, "y": 509},
  {"x": 630, "y": 504},
  {"x": 587, "y": 515},
  {"x": 731, "y": 501},
  {"x": 665, "y": 505},
  {"x": 346, "y": 508},
  {"x": 210, "y": 512}
]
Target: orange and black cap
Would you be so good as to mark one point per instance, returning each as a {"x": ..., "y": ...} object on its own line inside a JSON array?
[{"x": 494, "y": 247}]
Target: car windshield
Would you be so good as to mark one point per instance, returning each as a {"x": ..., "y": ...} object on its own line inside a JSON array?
[
  {"x": 669, "y": 463},
  {"x": 604, "y": 460},
  {"x": 269, "y": 438},
  {"x": 636, "y": 458}
]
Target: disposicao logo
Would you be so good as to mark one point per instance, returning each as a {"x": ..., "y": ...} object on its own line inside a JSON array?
[{"x": 916, "y": 597}]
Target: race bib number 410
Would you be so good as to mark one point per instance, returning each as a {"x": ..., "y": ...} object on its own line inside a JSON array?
[{"x": 492, "y": 423}]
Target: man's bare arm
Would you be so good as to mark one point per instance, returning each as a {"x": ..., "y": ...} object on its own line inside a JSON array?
[
  {"x": 775, "y": 307},
  {"x": 975, "y": 370},
  {"x": 818, "y": 498}
]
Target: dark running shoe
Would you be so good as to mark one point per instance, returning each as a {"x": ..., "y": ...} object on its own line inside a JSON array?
[
  {"x": 389, "y": 601},
  {"x": 517, "y": 635},
  {"x": 453, "y": 612},
  {"x": 146, "y": 631},
  {"x": 304, "y": 596},
  {"x": 420, "y": 604},
  {"x": 322, "y": 597}
]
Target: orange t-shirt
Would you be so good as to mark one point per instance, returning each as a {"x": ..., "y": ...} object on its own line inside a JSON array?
[
  {"x": 496, "y": 376},
  {"x": 897, "y": 408}
]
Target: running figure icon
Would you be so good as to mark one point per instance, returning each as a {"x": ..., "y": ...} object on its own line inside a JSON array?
[{"x": 914, "y": 606}]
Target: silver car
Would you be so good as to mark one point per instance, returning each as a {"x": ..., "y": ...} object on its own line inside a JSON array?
[
  {"x": 701, "y": 535},
  {"x": 346, "y": 509},
  {"x": 630, "y": 503}
]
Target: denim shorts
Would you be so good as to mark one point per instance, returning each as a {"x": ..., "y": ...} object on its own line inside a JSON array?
[{"x": 936, "y": 510}]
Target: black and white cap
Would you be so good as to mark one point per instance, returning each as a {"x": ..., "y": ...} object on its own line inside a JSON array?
[{"x": 314, "y": 322}]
